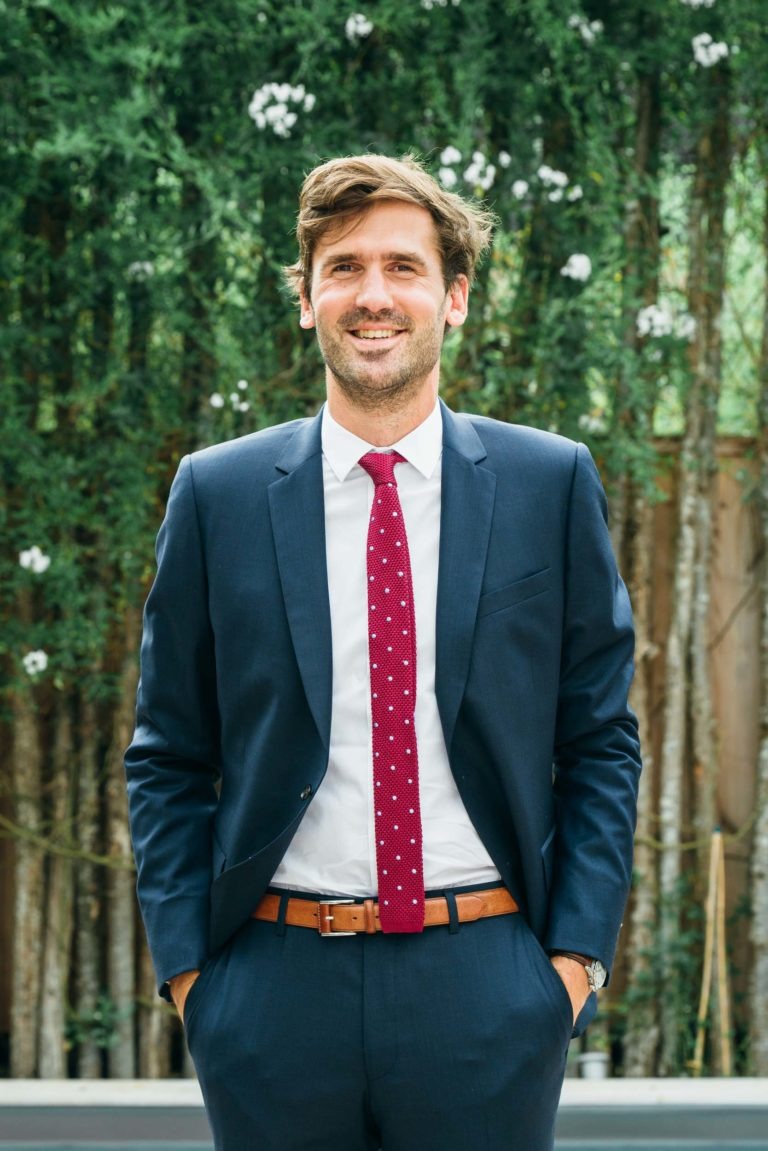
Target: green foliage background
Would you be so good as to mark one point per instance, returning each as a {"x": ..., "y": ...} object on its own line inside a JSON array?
[{"x": 145, "y": 217}]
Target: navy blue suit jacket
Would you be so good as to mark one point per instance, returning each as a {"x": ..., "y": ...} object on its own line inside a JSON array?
[{"x": 534, "y": 661}]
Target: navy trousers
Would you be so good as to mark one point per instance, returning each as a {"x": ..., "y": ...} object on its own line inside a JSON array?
[{"x": 452, "y": 1040}]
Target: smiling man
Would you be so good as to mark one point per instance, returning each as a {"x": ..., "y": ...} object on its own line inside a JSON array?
[{"x": 384, "y": 773}]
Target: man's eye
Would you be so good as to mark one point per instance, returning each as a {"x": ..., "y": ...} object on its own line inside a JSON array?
[
  {"x": 343, "y": 268},
  {"x": 403, "y": 268}
]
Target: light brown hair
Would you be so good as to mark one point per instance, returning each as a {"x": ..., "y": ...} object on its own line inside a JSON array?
[{"x": 340, "y": 190}]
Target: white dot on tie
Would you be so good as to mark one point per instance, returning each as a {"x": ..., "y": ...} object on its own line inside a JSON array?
[
  {"x": 378, "y": 781},
  {"x": 389, "y": 677},
  {"x": 405, "y": 631},
  {"x": 399, "y": 887},
  {"x": 386, "y": 589},
  {"x": 412, "y": 841},
  {"x": 394, "y": 797},
  {"x": 407, "y": 722},
  {"x": 399, "y": 573},
  {"x": 407, "y": 751},
  {"x": 394, "y": 515},
  {"x": 389, "y": 619},
  {"x": 391, "y": 738},
  {"x": 398, "y": 857},
  {"x": 392, "y": 767},
  {"x": 410, "y": 811},
  {"x": 413, "y": 872},
  {"x": 414, "y": 901},
  {"x": 389, "y": 649},
  {"x": 396, "y": 826},
  {"x": 406, "y": 692},
  {"x": 381, "y": 843},
  {"x": 405, "y": 661},
  {"x": 371, "y": 578},
  {"x": 374, "y": 665},
  {"x": 385, "y": 872},
  {"x": 385, "y": 560},
  {"x": 390, "y": 708},
  {"x": 375, "y": 695},
  {"x": 410, "y": 780},
  {"x": 381, "y": 531},
  {"x": 378, "y": 501},
  {"x": 397, "y": 543},
  {"x": 373, "y": 635},
  {"x": 386, "y": 903},
  {"x": 402, "y": 604}
]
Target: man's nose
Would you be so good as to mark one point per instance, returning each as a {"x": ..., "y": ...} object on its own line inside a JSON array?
[{"x": 373, "y": 291}]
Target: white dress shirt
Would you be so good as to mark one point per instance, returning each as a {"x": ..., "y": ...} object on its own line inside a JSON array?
[{"x": 334, "y": 849}]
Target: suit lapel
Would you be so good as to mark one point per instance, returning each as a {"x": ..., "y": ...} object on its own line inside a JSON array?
[
  {"x": 468, "y": 493},
  {"x": 297, "y": 512}
]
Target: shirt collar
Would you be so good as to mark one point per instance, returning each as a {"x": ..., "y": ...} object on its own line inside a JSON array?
[{"x": 422, "y": 447}]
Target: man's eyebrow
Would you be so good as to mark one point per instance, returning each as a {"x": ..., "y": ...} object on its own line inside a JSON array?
[{"x": 352, "y": 257}]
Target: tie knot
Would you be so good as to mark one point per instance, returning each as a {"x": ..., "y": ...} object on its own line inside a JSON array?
[{"x": 381, "y": 466}]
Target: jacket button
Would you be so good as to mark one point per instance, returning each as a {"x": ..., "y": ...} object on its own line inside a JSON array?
[{"x": 306, "y": 793}]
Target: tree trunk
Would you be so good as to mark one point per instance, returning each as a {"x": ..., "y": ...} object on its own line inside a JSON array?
[
  {"x": 642, "y": 1032},
  {"x": 58, "y": 903},
  {"x": 121, "y": 899},
  {"x": 88, "y": 891},
  {"x": 29, "y": 887},
  {"x": 758, "y": 987},
  {"x": 156, "y": 1020},
  {"x": 688, "y": 632}
]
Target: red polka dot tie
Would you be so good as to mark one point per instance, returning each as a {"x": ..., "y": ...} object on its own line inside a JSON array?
[{"x": 392, "y": 655}]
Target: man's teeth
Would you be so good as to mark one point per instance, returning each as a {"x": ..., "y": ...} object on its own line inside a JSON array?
[{"x": 378, "y": 334}]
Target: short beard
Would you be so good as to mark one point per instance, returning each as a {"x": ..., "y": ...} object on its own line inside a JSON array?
[{"x": 389, "y": 393}]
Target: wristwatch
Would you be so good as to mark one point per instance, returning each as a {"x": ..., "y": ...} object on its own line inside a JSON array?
[{"x": 596, "y": 973}]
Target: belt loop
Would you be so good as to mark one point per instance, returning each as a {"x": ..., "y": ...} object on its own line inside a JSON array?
[
  {"x": 282, "y": 911},
  {"x": 453, "y": 913}
]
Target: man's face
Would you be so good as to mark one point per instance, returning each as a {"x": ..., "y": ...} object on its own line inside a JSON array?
[{"x": 380, "y": 306}]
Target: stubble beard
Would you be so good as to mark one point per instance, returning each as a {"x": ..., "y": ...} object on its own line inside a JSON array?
[{"x": 377, "y": 390}]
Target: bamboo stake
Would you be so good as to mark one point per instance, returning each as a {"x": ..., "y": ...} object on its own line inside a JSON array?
[
  {"x": 697, "y": 1062},
  {"x": 723, "y": 999}
]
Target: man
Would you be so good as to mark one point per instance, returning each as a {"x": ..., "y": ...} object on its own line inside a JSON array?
[{"x": 409, "y": 675}]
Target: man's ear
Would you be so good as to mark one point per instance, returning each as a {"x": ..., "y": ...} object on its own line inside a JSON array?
[
  {"x": 458, "y": 302},
  {"x": 306, "y": 315}
]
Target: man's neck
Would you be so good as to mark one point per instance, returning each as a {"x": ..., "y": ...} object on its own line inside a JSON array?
[{"x": 384, "y": 427}]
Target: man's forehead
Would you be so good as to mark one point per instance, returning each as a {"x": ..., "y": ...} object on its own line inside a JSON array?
[{"x": 404, "y": 227}]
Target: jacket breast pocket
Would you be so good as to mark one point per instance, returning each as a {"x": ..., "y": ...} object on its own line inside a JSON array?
[{"x": 514, "y": 593}]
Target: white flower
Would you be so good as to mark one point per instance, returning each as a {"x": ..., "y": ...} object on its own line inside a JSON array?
[
  {"x": 520, "y": 189},
  {"x": 141, "y": 270},
  {"x": 357, "y": 27},
  {"x": 234, "y": 399},
  {"x": 272, "y": 106},
  {"x": 35, "y": 560},
  {"x": 578, "y": 267},
  {"x": 555, "y": 195},
  {"x": 450, "y": 155},
  {"x": 243, "y": 406},
  {"x": 34, "y": 662},
  {"x": 550, "y": 176},
  {"x": 504, "y": 159},
  {"x": 589, "y": 29},
  {"x": 575, "y": 193},
  {"x": 655, "y": 321},
  {"x": 590, "y": 423},
  {"x": 447, "y": 177},
  {"x": 480, "y": 173},
  {"x": 685, "y": 326},
  {"x": 216, "y": 400},
  {"x": 707, "y": 51}
]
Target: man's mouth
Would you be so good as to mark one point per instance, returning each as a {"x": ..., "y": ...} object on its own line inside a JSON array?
[{"x": 375, "y": 333}]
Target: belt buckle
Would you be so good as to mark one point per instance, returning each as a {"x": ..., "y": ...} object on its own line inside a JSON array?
[{"x": 325, "y": 918}]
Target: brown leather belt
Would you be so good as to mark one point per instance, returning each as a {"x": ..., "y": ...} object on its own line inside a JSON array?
[{"x": 348, "y": 916}]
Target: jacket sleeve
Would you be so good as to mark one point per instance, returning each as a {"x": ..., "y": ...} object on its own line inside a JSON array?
[
  {"x": 597, "y": 753},
  {"x": 171, "y": 763}
]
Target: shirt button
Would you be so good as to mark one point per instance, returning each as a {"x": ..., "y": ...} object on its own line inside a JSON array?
[{"x": 306, "y": 793}]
